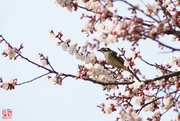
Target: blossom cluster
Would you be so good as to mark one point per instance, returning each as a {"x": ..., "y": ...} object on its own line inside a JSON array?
[
  {"x": 99, "y": 73},
  {"x": 10, "y": 83},
  {"x": 94, "y": 5},
  {"x": 9, "y": 51},
  {"x": 125, "y": 114},
  {"x": 110, "y": 106},
  {"x": 163, "y": 68},
  {"x": 168, "y": 101},
  {"x": 130, "y": 29},
  {"x": 150, "y": 7},
  {"x": 145, "y": 99},
  {"x": 64, "y": 3},
  {"x": 156, "y": 116},
  {"x": 42, "y": 59},
  {"x": 134, "y": 89},
  {"x": 80, "y": 53},
  {"x": 128, "y": 114},
  {"x": 55, "y": 79},
  {"x": 175, "y": 60},
  {"x": 132, "y": 56}
]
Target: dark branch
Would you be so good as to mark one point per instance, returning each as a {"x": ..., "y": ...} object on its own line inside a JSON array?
[{"x": 177, "y": 73}]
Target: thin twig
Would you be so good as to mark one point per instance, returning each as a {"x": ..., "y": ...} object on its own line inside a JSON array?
[
  {"x": 33, "y": 79},
  {"x": 155, "y": 65}
]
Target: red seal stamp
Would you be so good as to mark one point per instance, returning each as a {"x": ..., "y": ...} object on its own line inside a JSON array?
[{"x": 7, "y": 114}]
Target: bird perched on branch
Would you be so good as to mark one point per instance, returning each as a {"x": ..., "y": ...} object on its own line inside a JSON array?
[{"x": 112, "y": 59}]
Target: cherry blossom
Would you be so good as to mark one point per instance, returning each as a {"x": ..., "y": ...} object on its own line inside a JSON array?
[
  {"x": 9, "y": 83},
  {"x": 9, "y": 51},
  {"x": 54, "y": 79},
  {"x": 168, "y": 102},
  {"x": 64, "y": 46}
]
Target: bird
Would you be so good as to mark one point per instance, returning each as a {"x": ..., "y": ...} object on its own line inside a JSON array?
[{"x": 112, "y": 59}]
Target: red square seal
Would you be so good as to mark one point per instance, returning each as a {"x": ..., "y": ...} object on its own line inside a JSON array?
[{"x": 7, "y": 114}]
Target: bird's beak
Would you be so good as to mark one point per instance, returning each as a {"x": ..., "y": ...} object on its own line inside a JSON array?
[{"x": 99, "y": 50}]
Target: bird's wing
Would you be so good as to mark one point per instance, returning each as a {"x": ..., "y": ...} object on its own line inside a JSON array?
[{"x": 114, "y": 54}]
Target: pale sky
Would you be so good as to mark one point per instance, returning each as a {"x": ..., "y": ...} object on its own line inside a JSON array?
[{"x": 27, "y": 22}]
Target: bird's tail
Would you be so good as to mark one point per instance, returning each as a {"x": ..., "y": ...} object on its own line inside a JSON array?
[{"x": 133, "y": 74}]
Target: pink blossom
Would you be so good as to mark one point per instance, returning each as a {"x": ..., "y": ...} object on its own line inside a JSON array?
[
  {"x": 175, "y": 60},
  {"x": 9, "y": 51},
  {"x": 64, "y": 46},
  {"x": 38, "y": 57},
  {"x": 99, "y": 26},
  {"x": 149, "y": 107},
  {"x": 53, "y": 37},
  {"x": 46, "y": 78},
  {"x": 152, "y": 6},
  {"x": 168, "y": 2},
  {"x": 10, "y": 81},
  {"x": 100, "y": 36},
  {"x": 110, "y": 39},
  {"x": 88, "y": 27},
  {"x": 156, "y": 114},
  {"x": 133, "y": 54},
  {"x": 136, "y": 5},
  {"x": 77, "y": 73},
  {"x": 108, "y": 108},
  {"x": 50, "y": 31},
  {"x": 44, "y": 62},
  {"x": 72, "y": 49},
  {"x": 173, "y": 39},
  {"x": 86, "y": 42},
  {"x": 64, "y": 3},
  {"x": 90, "y": 58},
  {"x": 147, "y": 11},
  {"x": 176, "y": 3},
  {"x": 168, "y": 102},
  {"x": 54, "y": 79}
]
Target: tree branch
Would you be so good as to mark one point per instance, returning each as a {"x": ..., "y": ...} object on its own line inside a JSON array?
[{"x": 177, "y": 73}]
